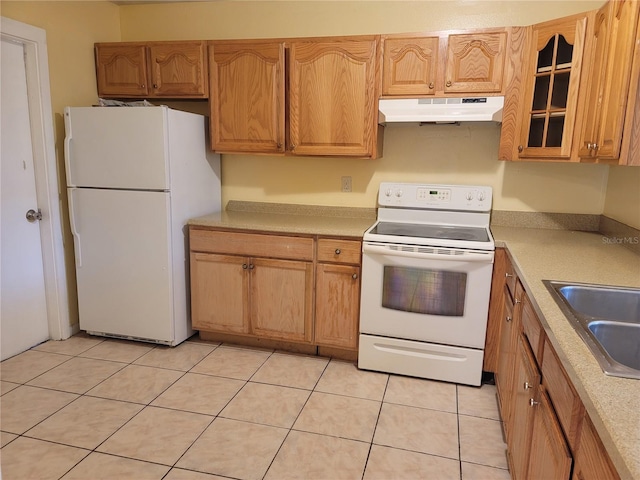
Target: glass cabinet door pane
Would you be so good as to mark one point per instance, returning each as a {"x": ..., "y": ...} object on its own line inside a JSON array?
[
  {"x": 545, "y": 56},
  {"x": 554, "y": 131},
  {"x": 541, "y": 92},
  {"x": 536, "y": 131},
  {"x": 565, "y": 53},
  {"x": 560, "y": 90}
]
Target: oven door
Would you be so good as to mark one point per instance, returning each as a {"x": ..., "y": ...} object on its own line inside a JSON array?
[{"x": 434, "y": 295}]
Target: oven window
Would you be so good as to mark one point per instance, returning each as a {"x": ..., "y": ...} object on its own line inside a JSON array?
[{"x": 420, "y": 290}]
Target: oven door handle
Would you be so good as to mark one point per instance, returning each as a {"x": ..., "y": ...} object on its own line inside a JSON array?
[{"x": 464, "y": 256}]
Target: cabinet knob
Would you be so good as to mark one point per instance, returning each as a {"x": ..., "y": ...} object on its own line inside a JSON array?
[
  {"x": 354, "y": 276},
  {"x": 517, "y": 300},
  {"x": 520, "y": 148},
  {"x": 449, "y": 83},
  {"x": 431, "y": 86},
  {"x": 509, "y": 318},
  {"x": 508, "y": 275},
  {"x": 155, "y": 85},
  {"x": 245, "y": 266},
  {"x": 251, "y": 266},
  {"x": 142, "y": 86},
  {"x": 527, "y": 385},
  {"x": 278, "y": 145},
  {"x": 533, "y": 403},
  {"x": 293, "y": 147},
  {"x": 337, "y": 251},
  {"x": 592, "y": 146}
]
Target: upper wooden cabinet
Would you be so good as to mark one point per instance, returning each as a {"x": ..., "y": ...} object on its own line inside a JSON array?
[
  {"x": 152, "y": 70},
  {"x": 607, "y": 90},
  {"x": 551, "y": 84},
  {"x": 410, "y": 65},
  {"x": 461, "y": 63},
  {"x": 475, "y": 62},
  {"x": 329, "y": 85},
  {"x": 247, "y": 97},
  {"x": 333, "y": 99}
]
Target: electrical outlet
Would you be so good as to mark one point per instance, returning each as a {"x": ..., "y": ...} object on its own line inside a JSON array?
[{"x": 346, "y": 184}]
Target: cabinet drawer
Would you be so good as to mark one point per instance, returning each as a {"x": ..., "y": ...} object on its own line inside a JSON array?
[
  {"x": 511, "y": 279},
  {"x": 566, "y": 401},
  {"x": 532, "y": 328},
  {"x": 339, "y": 251},
  {"x": 251, "y": 244}
]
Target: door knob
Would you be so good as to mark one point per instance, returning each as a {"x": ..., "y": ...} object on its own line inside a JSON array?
[{"x": 33, "y": 216}]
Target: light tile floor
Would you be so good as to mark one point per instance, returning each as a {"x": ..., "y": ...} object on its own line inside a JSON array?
[{"x": 93, "y": 408}]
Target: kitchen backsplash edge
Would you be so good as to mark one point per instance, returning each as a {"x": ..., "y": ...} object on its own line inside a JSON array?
[{"x": 298, "y": 209}]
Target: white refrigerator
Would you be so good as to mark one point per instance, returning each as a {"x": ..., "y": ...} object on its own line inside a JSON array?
[{"x": 135, "y": 175}]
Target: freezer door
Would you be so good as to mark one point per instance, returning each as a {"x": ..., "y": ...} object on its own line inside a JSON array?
[
  {"x": 123, "y": 264},
  {"x": 117, "y": 147}
]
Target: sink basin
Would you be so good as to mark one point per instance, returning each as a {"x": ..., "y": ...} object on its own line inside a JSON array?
[
  {"x": 619, "y": 304},
  {"x": 607, "y": 318},
  {"x": 620, "y": 340}
]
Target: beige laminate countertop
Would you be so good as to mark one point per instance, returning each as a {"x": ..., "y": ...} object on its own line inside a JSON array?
[
  {"x": 613, "y": 403},
  {"x": 291, "y": 219}
]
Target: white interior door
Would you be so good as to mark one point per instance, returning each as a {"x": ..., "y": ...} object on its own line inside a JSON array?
[{"x": 22, "y": 289}]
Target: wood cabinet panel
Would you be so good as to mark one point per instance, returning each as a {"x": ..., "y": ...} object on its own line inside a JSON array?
[
  {"x": 219, "y": 293},
  {"x": 152, "y": 69},
  {"x": 121, "y": 70},
  {"x": 251, "y": 244},
  {"x": 179, "y": 69},
  {"x": 333, "y": 97},
  {"x": 281, "y": 299},
  {"x": 591, "y": 459},
  {"x": 527, "y": 381},
  {"x": 607, "y": 89},
  {"x": 247, "y": 97},
  {"x": 630, "y": 151},
  {"x": 550, "y": 458},
  {"x": 339, "y": 251},
  {"x": 532, "y": 328},
  {"x": 506, "y": 361},
  {"x": 494, "y": 322},
  {"x": 410, "y": 65},
  {"x": 475, "y": 62},
  {"x": 566, "y": 401},
  {"x": 337, "y": 305}
]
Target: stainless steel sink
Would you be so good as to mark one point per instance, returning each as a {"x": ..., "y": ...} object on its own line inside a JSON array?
[{"x": 607, "y": 318}]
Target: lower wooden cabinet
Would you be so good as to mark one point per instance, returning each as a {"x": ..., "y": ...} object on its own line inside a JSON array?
[
  {"x": 549, "y": 456},
  {"x": 338, "y": 293},
  {"x": 548, "y": 432},
  {"x": 303, "y": 290}
]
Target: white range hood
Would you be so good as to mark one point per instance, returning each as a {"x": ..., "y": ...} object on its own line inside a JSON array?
[{"x": 441, "y": 110}]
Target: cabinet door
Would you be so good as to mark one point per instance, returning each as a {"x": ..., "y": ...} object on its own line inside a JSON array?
[
  {"x": 527, "y": 380},
  {"x": 121, "y": 70},
  {"x": 337, "y": 305},
  {"x": 333, "y": 97},
  {"x": 591, "y": 460},
  {"x": 178, "y": 69},
  {"x": 409, "y": 66},
  {"x": 550, "y": 458},
  {"x": 614, "y": 35},
  {"x": 475, "y": 62},
  {"x": 281, "y": 299},
  {"x": 506, "y": 360},
  {"x": 247, "y": 97},
  {"x": 219, "y": 293},
  {"x": 552, "y": 80}
]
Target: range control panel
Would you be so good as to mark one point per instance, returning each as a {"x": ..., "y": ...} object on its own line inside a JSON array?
[{"x": 469, "y": 198}]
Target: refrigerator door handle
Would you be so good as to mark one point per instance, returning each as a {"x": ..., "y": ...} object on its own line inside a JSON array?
[
  {"x": 67, "y": 146},
  {"x": 74, "y": 230}
]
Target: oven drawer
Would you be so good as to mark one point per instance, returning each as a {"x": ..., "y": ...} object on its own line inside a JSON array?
[{"x": 420, "y": 359}]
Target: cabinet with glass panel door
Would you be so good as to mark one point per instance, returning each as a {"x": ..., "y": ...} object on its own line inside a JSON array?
[{"x": 551, "y": 83}]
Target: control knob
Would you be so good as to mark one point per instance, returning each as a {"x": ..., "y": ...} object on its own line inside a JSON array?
[
  {"x": 469, "y": 195},
  {"x": 398, "y": 193}
]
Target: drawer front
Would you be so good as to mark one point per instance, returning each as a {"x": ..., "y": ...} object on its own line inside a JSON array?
[
  {"x": 339, "y": 251},
  {"x": 566, "y": 402},
  {"x": 251, "y": 244},
  {"x": 532, "y": 328}
]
